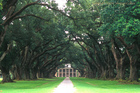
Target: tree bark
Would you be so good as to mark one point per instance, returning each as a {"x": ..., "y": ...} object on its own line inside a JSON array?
[
  {"x": 27, "y": 73},
  {"x": 18, "y": 73},
  {"x": 116, "y": 59},
  {"x": 90, "y": 73},
  {"x": 9, "y": 46},
  {"x": 133, "y": 72},
  {"x": 110, "y": 72},
  {"x": 119, "y": 62},
  {"x": 122, "y": 71},
  {"x": 33, "y": 74},
  {"x": 2, "y": 35},
  {"x": 133, "y": 69},
  {"x": 103, "y": 73}
]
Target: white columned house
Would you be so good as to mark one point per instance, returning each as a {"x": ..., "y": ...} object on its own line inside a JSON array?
[{"x": 67, "y": 71}]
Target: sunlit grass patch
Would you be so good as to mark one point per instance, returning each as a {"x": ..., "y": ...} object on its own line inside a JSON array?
[
  {"x": 85, "y": 85},
  {"x": 33, "y": 86}
]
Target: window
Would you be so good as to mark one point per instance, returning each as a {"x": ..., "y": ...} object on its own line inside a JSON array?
[
  {"x": 67, "y": 74},
  {"x": 67, "y": 70},
  {"x": 74, "y": 75},
  {"x": 70, "y": 74},
  {"x": 63, "y": 74},
  {"x": 71, "y": 70},
  {"x": 60, "y": 70},
  {"x": 74, "y": 70}
]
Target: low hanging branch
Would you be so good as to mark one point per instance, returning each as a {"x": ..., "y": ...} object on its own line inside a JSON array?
[
  {"x": 96, "y": 65},
  {"x": 13, "y": 17},
  {"x": 123, "y": 42},
  {"x": 40, "y": 54},
  {"x": 9, "y": 46},
  {"x": 30, "y": 15},
  {"x": 60, "y": 11},
  {"x": 8, "y": 20}
]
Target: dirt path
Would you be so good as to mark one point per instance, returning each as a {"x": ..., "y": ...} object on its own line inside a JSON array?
[{"x": 65, "y": 86}]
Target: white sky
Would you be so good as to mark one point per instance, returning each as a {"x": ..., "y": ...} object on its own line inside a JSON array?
[{"x": 61, "y": 3}]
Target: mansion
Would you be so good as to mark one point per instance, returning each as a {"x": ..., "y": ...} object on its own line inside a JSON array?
[{"x": 67, "y": 71}]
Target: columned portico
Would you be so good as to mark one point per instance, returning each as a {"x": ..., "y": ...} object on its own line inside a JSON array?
[{"x": 67, "y": 72}]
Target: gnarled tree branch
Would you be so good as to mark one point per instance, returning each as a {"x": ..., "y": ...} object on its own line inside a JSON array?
[
  {"x": 8, "y": 20},
  {"x": 9, "y": 46},
  {"x": 30, "y": 15}
]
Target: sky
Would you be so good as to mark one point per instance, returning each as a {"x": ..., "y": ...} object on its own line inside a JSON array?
[{"x": 61, "y": 3}]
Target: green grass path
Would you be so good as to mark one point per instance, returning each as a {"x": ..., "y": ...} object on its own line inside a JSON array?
[
  {"x": 37, "y": 86},
  {"x": 85, "y": 85}
]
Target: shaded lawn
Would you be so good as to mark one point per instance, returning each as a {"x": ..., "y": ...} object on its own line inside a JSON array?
[
  {"x": 37, "y": 86},
  {"x": 85, "y": 85}
]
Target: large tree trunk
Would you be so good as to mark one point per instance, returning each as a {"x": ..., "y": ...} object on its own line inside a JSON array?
[
  {"x": 6, "y": 52},
  {"x": 116, "y": 60},
  {"x": 41, "y": 74},
  {"x": 82, "y": 73},
  {"x": 119, "y": 62},
  {"x": 6, "y": 75},
  {"x": 27, "y": 73},
  {"x": 47, "y": 75},
  {"x": 110, "y": 63},
  {"x": 18, "y": 73},
  {"x": 133, "y": 69},
  {"x": 90, "y": 73},
  {"x": 2, "y": 34},
  {"x": 120, "y": 69},
  {"x": 103, "y": 73},
  {"x": 133, "y": 72},
  {"x": 110, "y": 72},
  {"x": 52, "y": 73},
  {"x": 33, "y": 74}
]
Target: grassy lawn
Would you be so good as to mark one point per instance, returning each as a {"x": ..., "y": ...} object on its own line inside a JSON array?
[
  {"x": 85, "y": 85},
  {"x": 38, "y": 86}
]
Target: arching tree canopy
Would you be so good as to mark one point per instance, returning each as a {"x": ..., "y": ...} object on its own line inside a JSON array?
[{"x": 100, "y": 38}]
